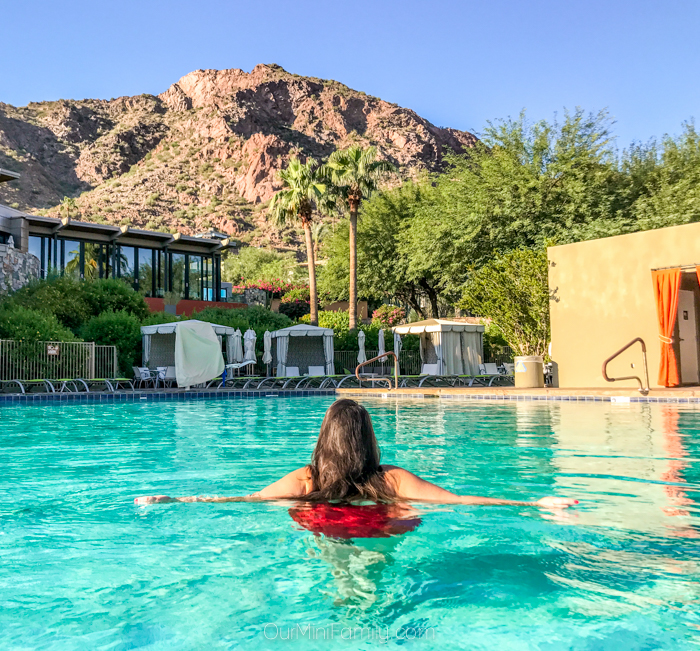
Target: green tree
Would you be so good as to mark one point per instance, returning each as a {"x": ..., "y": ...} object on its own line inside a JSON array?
[
  {"x": 119, "y": 329},
  {"x": 386, "y": 252},
  {"x": 303, "y": 193},
  {"x": 522, "y": 185},
  {"x": 354, "y": 174},
  {"x": 512, "y": 291},
  {"x": 253, "y": 264},
  {"x": 670, "y": 176}
]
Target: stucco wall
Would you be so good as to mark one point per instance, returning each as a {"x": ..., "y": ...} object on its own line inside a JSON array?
[
  {"x": 603, "y": 297},
  {"x": 16, "y": 268}
]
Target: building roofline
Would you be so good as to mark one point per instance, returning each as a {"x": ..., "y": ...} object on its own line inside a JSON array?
[
  {"x": 6, "y": 175},
  {"x": 125, "y": 235}
]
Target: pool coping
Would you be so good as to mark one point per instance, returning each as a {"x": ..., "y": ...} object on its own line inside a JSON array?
[
  {"x": 158, "y": 396},
  {"x": 675, "y": 396}
]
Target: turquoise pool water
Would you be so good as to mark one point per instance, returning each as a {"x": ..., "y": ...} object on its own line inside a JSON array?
[{"x": 81, "y": 567}]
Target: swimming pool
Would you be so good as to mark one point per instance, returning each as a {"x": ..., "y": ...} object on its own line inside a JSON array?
[{"x": 81, "y": 567}]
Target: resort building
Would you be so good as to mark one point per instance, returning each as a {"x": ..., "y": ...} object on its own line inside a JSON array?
[
  {"x": 152, "y": 262},
  {"x": 605, "y": 293}
]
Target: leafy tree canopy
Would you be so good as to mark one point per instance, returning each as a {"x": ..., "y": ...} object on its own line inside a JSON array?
[
  {"x": 253, "y": 264},
  {"x": 512, "y": 291}
]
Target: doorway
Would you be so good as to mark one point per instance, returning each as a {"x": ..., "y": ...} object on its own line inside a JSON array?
[{"x": 687, "y": 331}]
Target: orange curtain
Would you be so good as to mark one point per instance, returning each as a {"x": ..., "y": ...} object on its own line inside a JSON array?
[{"x": 667, "y": 283}]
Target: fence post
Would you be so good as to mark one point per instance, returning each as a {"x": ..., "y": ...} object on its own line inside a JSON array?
[{"x": 92, "y": 360}]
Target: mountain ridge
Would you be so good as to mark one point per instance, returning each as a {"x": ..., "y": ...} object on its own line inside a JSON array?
[{"x": 204, "y": 153}]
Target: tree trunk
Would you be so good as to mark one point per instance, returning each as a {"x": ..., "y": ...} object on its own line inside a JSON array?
[
  {"x": 432, "y": 297},
  {"x": 312, "y": 272},
  {"x": 352, "y": 309}
]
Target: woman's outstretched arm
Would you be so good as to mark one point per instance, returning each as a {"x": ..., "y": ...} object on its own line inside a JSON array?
[
  {"x": 295, "y": 484},
  {"x": 411, "y": 487}
]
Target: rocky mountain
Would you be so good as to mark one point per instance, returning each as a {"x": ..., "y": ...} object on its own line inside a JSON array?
[{"x": 203, "y": 154}]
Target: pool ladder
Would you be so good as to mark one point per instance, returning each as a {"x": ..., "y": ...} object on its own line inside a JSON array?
[
  {"x": 644, "y": 390},
  {"x": 389, "y": 353}
]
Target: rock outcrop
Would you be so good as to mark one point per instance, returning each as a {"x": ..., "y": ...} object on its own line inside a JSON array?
[{"x": 205, "y": 153}]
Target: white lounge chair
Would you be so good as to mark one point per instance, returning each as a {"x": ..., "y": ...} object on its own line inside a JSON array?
[
  {"x": 429, "y": 369},
  {"x": 316, "y": 371}
]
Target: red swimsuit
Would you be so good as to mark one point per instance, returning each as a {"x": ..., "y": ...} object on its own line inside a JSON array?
[{"x": 354, "y": 521}]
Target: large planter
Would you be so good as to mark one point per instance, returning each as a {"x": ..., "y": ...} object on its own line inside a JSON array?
[{"x": 529, "y": 372}]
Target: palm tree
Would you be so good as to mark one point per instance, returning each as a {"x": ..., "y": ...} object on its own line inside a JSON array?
[
  {"x": 354, "y": 174},
  {"x": 304, "y": 192}
]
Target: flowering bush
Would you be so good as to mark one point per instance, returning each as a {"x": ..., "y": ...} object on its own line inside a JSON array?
[
  {"x": 276, "y": 287},
  {"x": 388, "y": 315},
  {"x": 297, "y": 294}
]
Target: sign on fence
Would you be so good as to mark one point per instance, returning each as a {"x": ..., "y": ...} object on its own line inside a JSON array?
[{"x": 52, "y": 349}]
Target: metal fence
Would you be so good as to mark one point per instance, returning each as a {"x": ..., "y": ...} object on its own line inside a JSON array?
[
  {"x": 500, "y": 355},
  {"x": 55, "y": 360},
  {"x": 409, "y": 361}
]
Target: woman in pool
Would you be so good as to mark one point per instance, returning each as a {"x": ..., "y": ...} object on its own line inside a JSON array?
[{"x": 345, "y": 467}]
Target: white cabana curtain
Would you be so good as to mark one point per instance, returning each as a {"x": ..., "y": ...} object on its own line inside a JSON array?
[
  {"x": 452, "y": 353},
  {"x": 267, "y": 348},
  {"x": 282, "y": 347},
  {"x": 329, "y": 354},
  {"x": 361, "y": 356},
  {"x": 436, "y": 338},
  {"x": 472, "y": 352},
  {"x": 146, "y": 349},
  {"x": 381, "y": 346},
  {"x": 198, "y": 356},
  {"x": 249, "y": 339}
]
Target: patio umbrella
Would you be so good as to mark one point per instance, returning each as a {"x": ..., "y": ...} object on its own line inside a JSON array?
[
  {"x": 381, "y": 346},
  {"x": 267, "y": 352},
  {"x": 361, "y": 357},
  {"x": 397, "y": 345},
  {"x": 249, "y": 342},
  {"x": 237, "y": 352}
]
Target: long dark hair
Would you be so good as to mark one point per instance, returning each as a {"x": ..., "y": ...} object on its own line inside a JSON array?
[{"x": 345, "y": 462}]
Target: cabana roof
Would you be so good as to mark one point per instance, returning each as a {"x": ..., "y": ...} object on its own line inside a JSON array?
[
  {"x": 303, "y": 330},
  {"x": 437, "y": 325},
  {"x": 169, "y": 328}
]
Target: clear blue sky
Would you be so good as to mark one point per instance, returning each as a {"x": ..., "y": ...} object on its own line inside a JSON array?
[{"x": 457, "y": 64}]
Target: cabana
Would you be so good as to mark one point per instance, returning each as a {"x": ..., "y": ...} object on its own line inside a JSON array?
[
  {"x": 193, "y": 348},
  {"x": 447, "y": 347},
  {"x": 303, "y": 349}
]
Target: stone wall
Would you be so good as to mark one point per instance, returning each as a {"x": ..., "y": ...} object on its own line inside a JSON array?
[{"x": 16, "y": 268}]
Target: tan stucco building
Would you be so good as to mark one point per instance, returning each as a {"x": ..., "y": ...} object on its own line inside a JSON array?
[{"x": 602, "y": 297}]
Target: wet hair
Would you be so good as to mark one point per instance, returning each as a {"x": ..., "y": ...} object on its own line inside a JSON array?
[{"x": 345, "y": 462}]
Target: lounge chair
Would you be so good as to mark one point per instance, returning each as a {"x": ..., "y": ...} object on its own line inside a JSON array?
[{"x": 144, "y": 376}]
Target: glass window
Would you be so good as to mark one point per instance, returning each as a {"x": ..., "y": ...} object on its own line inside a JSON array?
[
  {"x": 37, "y": 248},
  {"x": 94, "y": 261},
  {"x": 160, "y": 273},
  {"x": 126, "y": 264},
  {"x": 70, "y": 258},
  {"x": 177, "y": 273},
  {"x": 145, "y": 257},
  {"x": 196, "y": 278},
  {"x": 207, "y": 290}
]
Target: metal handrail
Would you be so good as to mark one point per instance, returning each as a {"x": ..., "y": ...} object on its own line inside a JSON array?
[
  {"x": 642, "y": 389},
  {"x": 381, "y": 379}
]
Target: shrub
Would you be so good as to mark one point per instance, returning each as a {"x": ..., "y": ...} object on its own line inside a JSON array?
[
  {"x": 294, "y": 309},
  {"x": 114, "y": 295},
  {"x": 297, "y": 294},
  {"x": 388, "y": 315},
  {"x": 119, "y": 329},
  {"x": 74, "y": 302},
  {"x": 60, "y": 296},
  {"x": 24, "y": 324}
]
